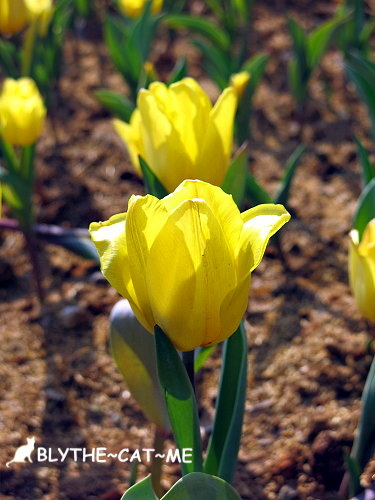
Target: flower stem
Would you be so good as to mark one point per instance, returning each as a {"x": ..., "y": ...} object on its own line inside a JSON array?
[
  {"x": 157, "y": 462},
  {"x": 188, "y": 359},
  {"x": 28, "y": 49}
]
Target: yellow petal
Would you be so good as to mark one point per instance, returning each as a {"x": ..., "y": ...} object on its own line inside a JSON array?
[
  {"x": 220, "y": 203},
  {"x": 260, "y": 223},
  {"x": 110, "y": 241},
  {"x": 214, "y": 158},
  {"x": 189, "y": 273},
  {"x": 362, "y": 278},
  {"x": 163, "y": 147},
  {"x": 145, "y": 216},
  {"x": 130, "y": 133}
]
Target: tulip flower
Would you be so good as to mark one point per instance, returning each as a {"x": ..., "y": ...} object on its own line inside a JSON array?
[
  {"x": 40, "y": 11},
  {"x": 180, "y": 134},
  {"x": 22, "y": 112},
  {"x": 362, "y": 269},
  {"x": 13, "y": 16},
  {"x": 134, "y": 8},
  {"x": 239, "y": 82},
  {"x": 184, "y": 262}
]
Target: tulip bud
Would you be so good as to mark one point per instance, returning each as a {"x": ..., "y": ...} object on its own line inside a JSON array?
[
  {"x": 180, "y": 134},
  {"x": 239, "y": 82},
  {"x": 184, "y": 262},
  {"x": 22, "y": 112},
  {"x": 13, "y": 16},
  {"x": 362, "y": 269},
  {"x": 134, "y": 352},
  {"x": 134, "y": 8},
  {"x": 40, "y": 11}
]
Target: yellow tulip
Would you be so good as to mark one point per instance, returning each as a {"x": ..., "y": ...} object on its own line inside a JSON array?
[
  {"x": 40, "y": 11},
  {"x": 22, "y": 112},
  {"x": 13, "y": 16},
  {"x": 239, "y": 82},
  {"x": 362, "y": 269},
  {"x": 134, "y": 8},
  {"x": 180, "y": 134},
  {"x": 184, "y": 262}
]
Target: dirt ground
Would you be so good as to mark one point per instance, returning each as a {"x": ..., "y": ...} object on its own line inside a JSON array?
[{"x": 309, "y": 349}]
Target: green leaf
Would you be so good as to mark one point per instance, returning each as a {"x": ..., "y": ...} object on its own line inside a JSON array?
[
  {"x": 364, "y": 442},
  {"x": 362, "y": 72},
  {"x": 299, "y": 39},
  {"x": 255, "y": 192},
  {"x": 368, "y": 171},
  {"x": 134, "y": 352},
  {"x": 202, "y": 355},
  {"x": 318, "y": 41},
  {"x": 235, "y": 179},
  {"x": 81, "y": 246},
  {"x": 221, "y": 459},
  {"x": 202, "y": 26},
  {"x": 141, "y": 491},
  {"x": 365, "y": 208},
  {"x": 179, "y": 71},
  {"x": 200, "y": 486},
  {"x": 180, "y": 399},
  {"x": 217, "y": 61},
  {"x": 290, "y": 169},
  {"x": 255, "y": 68},
  {"x": 118, "y": 105},
  {"x": 354, "y": 471},
  {"x": 152, "y": 183},
  {"x": 9, "y": 59}
]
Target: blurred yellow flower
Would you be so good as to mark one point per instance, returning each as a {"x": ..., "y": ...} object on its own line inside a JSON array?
[
  {"x": 239, "y": 82},
  {"x": 13, "y": 16},
  {"x": 134, "y": 8},
  {"x": 22, "y": 112},
  {"x": 180, "y": 134},
  {"x": 40, "y": 11},
  {"x": 184, "y": 262},
  {"x": 362, "y": 269}
]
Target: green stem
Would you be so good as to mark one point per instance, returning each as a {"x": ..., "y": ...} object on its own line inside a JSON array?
[
  {"x": 188, "y": 359},
  {"x": 157, "y": 462},
  {"x": 28, "y": 49}
]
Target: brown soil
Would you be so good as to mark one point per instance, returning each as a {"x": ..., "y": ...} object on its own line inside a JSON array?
[{"x": 308, "y": 346}]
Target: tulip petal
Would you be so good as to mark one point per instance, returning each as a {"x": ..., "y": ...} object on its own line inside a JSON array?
[
  {"x": 260, "y": 223},
  {"x": 145, "y": 216},
  {"x": 189, "y": 272},
  {"x": 191, "y": 113},
  {"x": 163, "y": 147},
  {"x": 217, "y": 146},
  {"x": 110, "y": 241},
  {"x": 362, "y": 269},
  {"x": 220, "y": 203},
  {"x": 130, "y": 133}
]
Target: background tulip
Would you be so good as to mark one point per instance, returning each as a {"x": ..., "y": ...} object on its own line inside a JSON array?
[
  {"x": 180, "y": 134},
  {"x": 22, "y": 112},
  {"x": 184, "y": 262},
  {"x": 40, "y": 11},
  {"x": 134, "y": 8},
  {"x": 13, "y": 16},
  {"x": 362, "y": 269}
]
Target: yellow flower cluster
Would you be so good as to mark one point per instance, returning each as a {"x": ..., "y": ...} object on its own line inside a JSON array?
[
  {"x": 184, "y": 262},
  {"x": 22, "y": 112}
]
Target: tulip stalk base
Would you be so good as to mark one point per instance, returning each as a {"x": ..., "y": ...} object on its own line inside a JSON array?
[{"x": 157, "y": 461}]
